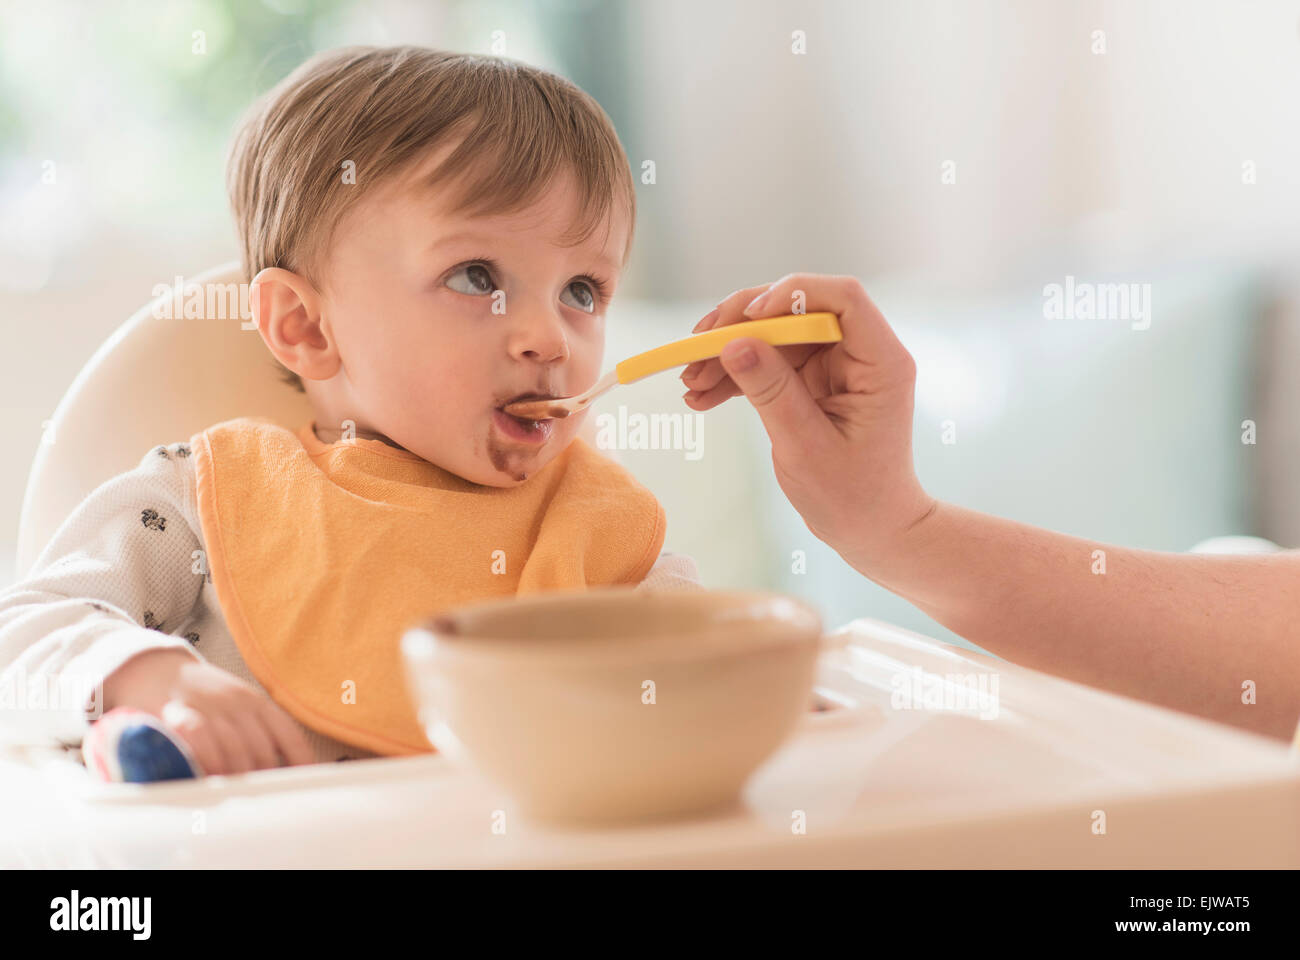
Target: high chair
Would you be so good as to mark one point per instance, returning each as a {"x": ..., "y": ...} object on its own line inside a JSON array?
[
  {"x": 157, "y": 379},
  {"x": 1052, "y": 774}
]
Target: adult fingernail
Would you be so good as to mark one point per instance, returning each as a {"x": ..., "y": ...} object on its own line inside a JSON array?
[
  {"x": 692, "y": 369},
  {"x": 705, "y": 320},
  {"x": 757, "y": 303},
  {"x": 740, "y": 358}
]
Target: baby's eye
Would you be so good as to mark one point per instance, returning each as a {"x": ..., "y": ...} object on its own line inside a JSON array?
[
  {"x": 477, "y": 281},
  {"x": 585, "y": 296}
]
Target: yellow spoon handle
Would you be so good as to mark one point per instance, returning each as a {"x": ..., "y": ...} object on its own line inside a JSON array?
[{"x": 778, "y": 331}]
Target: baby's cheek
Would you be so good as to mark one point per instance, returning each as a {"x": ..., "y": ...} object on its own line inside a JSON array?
[{"x": 434, "y": 390}]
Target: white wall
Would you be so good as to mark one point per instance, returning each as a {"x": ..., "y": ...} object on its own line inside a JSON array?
[{"x": 1065, "y": 160}]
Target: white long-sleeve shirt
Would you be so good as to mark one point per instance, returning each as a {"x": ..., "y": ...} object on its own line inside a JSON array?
[{"x": 125, "y": 573}]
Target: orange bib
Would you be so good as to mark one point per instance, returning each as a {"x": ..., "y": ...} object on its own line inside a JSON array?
[{"x": 322, "y": 554}]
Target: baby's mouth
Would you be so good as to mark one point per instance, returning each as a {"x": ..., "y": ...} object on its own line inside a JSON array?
[{"x": 517, "y": 428}]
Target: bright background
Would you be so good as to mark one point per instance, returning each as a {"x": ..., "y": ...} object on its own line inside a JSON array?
[{"x": 1126, "y": 165}]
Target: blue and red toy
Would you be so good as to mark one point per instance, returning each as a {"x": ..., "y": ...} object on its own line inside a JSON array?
[{"x": 127, "y": 745}]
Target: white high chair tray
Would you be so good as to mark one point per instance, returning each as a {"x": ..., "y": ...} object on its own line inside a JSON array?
[{"x": 873, "y": 785}]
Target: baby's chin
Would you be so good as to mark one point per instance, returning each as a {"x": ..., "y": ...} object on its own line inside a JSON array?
[
  {"x": 491, "y": 457},
  {"x": 509, "y": 462},
  {"x": 497, "y": 468},
  {"x": 516, "y": 449}
]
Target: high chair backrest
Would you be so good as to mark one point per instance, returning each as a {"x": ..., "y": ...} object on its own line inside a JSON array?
[
  {"x": 186, "y": 360},
  {"x": 162, "y": 376}
]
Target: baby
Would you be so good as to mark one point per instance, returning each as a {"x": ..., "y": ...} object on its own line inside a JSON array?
[{"x": 430, "y": 237}]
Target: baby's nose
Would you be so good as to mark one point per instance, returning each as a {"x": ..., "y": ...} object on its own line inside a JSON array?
[
  {"x": 546, "y": 355},
  {"x": 542, "y": 340}
]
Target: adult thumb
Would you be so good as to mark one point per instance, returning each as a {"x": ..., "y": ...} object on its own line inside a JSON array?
[{"x": 789, "y": 412}]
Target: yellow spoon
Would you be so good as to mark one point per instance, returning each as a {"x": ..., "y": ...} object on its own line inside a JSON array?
[{"x": 778, "y": 331}]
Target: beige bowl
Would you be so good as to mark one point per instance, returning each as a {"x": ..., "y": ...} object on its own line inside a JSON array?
[{"x": 613, "y": 704}]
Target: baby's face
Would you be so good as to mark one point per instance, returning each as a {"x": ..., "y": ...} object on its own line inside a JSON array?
[{"x": 442, "y": 319}]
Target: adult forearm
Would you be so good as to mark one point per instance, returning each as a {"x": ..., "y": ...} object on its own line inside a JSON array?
[{"x": 1187, "y": 631}]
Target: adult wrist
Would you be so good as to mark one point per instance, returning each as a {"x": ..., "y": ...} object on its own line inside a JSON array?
[{"x": 873, "y": 560}]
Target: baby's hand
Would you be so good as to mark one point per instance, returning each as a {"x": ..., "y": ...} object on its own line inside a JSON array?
[
  {"x": 230, "y": 727},
  {"x": 839, "y": 415}
]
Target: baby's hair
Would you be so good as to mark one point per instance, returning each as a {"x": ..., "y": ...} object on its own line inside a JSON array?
[{"x": 382, "y": 108}]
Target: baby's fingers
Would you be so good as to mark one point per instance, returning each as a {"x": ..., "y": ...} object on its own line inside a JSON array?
[
  {"x": 191, "y": 726},
  {"x": 233, "y": 747},
  {"x": 288, "y": 738},
  {"x": 257, "y": 740}
]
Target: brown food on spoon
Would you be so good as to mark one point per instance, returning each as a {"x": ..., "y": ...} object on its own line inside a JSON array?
[{"x": 536, "y": 410}]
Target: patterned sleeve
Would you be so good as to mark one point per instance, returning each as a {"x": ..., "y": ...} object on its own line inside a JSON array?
[
  {"x": 672, "y": 571},
  {"x": 121, "y": 572}
]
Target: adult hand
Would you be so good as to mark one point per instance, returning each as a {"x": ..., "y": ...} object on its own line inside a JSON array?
[{"x": 839, "y": 415}]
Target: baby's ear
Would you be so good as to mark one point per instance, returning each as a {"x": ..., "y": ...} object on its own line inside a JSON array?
[
  {"x": 286, "y": 308},
  {"x": 276, "y": 291}
]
